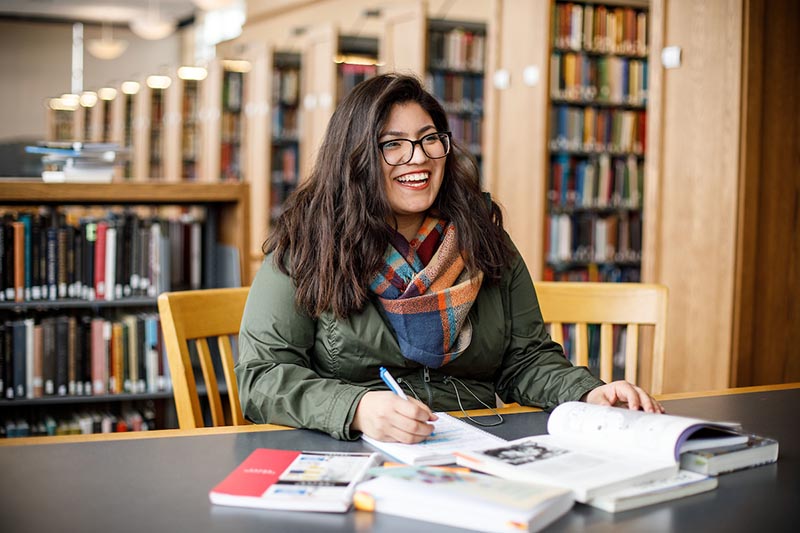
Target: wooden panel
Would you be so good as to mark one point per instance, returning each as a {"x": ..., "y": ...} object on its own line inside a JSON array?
[
  {"x": 516, "y": 123},
  {"x": 776, "y": 307},
  {"x": 140, "y": 157},
  {"x": 700, "y": 173},
  {"x": 402, "y": 46},
  {"x": 259, "y": 153},
  {"x": 173, "y": 129},
  {"x": 319, "y": 92}
]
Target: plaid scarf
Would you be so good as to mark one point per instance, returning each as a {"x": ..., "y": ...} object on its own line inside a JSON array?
[{"x": 427, "y": 304}]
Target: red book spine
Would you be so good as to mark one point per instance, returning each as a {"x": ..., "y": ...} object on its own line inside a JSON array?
[{"x": 100, "y": 261}]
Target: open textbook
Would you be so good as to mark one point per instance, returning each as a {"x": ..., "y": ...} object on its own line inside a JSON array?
[
  {"x": 449, "y": 434},
  {"x": 597, "y": 450},
  {"x": 468, "y": 500}
]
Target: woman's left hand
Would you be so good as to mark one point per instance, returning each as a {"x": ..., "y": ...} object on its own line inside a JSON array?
[{"x": 622, "y": 393}]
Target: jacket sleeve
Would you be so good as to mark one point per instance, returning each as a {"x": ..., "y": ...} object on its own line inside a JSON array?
[
  {"x": 277, "y": 383},
  {"x": 534, "y": 370}
]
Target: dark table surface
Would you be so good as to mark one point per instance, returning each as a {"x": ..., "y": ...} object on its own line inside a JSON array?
[{"x": 162, "y": 484}]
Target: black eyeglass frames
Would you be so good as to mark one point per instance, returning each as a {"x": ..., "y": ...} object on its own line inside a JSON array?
[{"x": 398, "y": 152}]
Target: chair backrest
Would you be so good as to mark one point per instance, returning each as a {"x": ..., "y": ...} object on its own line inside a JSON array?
[
  {"x": 607, "y": 304},
  {"x": 192, "y": 317}
]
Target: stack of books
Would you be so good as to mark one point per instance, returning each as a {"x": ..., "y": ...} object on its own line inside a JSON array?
[{"x": 77, "y": 162}]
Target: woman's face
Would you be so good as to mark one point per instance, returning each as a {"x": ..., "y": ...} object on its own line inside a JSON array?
[{"x": 411, "y": 187}]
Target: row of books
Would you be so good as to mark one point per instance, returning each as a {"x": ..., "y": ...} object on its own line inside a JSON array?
[
  {"x": 83, "y": 423},
  {"x": 458, "y": 93},
  {"x": 286, "y": 86},
  {"x": 597, "y": 130},
  {"x": 456, "y": 49},
  {"x": 580, "y": 77},
  {"x": 599, "y": 182},
  {"x": 83, "y": 355},
  {"x": 350, "y": 75},
  {"x": 598, "y": 28},
  {"x": 619, "y": 335},
  {"x": 467, "y": 131},
  {"x": 285, "y": 123},
  {"x": 46, "y": 255},
  {"x": 232, "y": 92},
  {"x": 607, "y": 272},
  {"x": 284, "y": 176},
  {"x": 230, "y": 161},
  {"x": 592, "y": 237}
]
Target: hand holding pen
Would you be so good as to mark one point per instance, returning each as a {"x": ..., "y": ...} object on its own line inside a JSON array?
[{"x": 391, "y": 415}]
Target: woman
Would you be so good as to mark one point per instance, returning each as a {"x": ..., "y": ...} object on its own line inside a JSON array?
[{"x": 389, "y": 255}]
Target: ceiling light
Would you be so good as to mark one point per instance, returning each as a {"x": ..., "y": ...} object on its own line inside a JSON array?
[
  {"x": 152, "y": 26},
  {"x": 211, "y": 5},
  {"x": 130, "y": 87},
  {"x": 192, "y": 73},
  {"x": 88, "y": 99},
  {"x": 158, "y": 82},
  {"x": 106, "y": 47},
  {"x": 236, "y": 65},
  {"x": 107, "y": 93}
]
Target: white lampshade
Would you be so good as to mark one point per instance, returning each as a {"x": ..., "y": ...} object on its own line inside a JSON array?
[
  {"x": 152, "y": 27},
  {"x": 211, "y": 5},
  {"x": 106, "y": 48}
]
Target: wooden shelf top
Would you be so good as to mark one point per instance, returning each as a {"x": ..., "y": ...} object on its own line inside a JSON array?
[{"x": 26, "y": 191}]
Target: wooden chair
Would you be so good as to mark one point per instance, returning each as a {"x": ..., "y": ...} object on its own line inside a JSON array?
[
  {"x": 193, "y": 316},
  {"x": 608, "y": 304}
]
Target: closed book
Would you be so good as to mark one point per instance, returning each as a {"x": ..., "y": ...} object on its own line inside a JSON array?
[
  {"x": 598, "y": 450},
  {"x": 449, "y": 435},
  {"x": 49, "y": 356},
  {"x": 712, "y": 461},
  {"x": 19, "y": 358},
  {"x": 99, "y": 357},
  {"x": 684, "y": 483},
  {"x": 100, "y": 261},
  {"x": 294, "y": 481},
  {"x": 19, "y": 261},
  {"x": 62, "y": 356},
  {"x": 458, "y": 499}
]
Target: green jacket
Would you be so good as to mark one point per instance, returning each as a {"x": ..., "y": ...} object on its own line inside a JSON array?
[{"x": 301, "y": 372}]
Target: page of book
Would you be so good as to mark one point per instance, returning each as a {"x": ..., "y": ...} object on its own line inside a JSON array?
[
  {"x": 449, "y": 434},
  {"x": 548, "y": 460},
  {"x": 612, "y": 428}
]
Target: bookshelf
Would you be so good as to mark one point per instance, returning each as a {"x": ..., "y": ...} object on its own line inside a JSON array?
[
  {"x": 224, "y": 121},
  {"x": 284, "y": 144},
  {"x": 455, "y": 75},
  {"x": 332, "y": 65},
  {"x": 182, "y": 140},
  {"x": 598, "y": 99},
  {"x": 70, "y": 317}
]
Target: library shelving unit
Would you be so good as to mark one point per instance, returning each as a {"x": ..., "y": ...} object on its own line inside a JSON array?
[
  {"x": 223, "y": 100},
  {"x": 284, "y": 143},
  {"x": 182, "y": 140},
  {"x": 149, "y": 144},
  {"x": 332, "y": 65},
  {"x": 63, "y": 121},
  {"x": 598, "y": 98},
  {"x": 124, "y": 123},
  {"x": 27, "y": 314},
  {"x": 455, "y": 75},
  {"x": 356, "y": 60}
]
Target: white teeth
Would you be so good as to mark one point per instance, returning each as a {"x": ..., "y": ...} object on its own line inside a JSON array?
[{"x": 413, "y": 177}]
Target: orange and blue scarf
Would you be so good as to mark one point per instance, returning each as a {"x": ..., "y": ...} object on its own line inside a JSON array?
[{"x": 426, "y": 294}]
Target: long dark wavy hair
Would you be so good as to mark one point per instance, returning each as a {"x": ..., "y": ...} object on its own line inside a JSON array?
[{"x": 333, "y": 232}]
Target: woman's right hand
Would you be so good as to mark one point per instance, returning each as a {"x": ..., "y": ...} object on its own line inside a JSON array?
[{"x": 385, "y": 416}]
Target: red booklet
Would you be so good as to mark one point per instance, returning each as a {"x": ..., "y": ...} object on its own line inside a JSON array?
[{"x": 295, "y": 481}]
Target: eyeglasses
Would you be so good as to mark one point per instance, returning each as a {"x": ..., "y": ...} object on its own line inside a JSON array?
[{"x": 400, "y": 151}]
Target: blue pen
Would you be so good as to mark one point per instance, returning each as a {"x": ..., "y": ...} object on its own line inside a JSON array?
[{"x": 392, "y": 384}]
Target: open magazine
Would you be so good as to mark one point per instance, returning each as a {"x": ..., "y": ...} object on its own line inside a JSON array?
[{"x": 597, "y": 450}]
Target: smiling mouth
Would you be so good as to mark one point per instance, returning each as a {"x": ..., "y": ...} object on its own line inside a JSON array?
[{"x": 417, "y": 180}]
